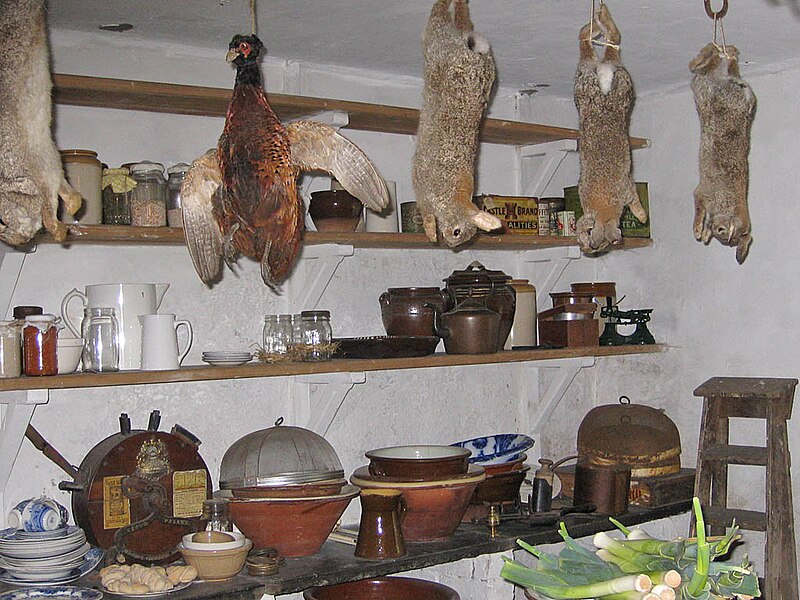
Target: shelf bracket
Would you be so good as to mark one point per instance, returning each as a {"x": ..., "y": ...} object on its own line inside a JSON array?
[
  {"x": 549, "y": 265},
  {"x": 313, "y": 273},
  {"x": 17, "y": 412},
  {"x": 539, "y": 162},
  {"x": 11, "y": 261},
  {"x": 546, "y": 403},
  {"x": 317, "y": 410}
]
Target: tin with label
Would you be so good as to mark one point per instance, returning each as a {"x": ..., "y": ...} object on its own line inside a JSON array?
[
  {"x": 519, "y": 214},
  {"x": 566, "y": 223},
  {"x": 544, "y": 217}
]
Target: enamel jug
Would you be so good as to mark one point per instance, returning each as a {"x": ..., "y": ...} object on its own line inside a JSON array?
[
  {"x": 160, "y": 351},
  {"x": 129, "y": 300}
]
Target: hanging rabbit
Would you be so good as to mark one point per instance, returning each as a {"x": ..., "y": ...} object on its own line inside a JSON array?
[
  {"x": 726, "y": 105},
  {"x": 604, "y": 96},
  {"x": 459, "y": 75}
]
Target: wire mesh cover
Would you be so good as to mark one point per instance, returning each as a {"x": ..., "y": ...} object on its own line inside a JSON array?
[{"x": 280, "y": 455}]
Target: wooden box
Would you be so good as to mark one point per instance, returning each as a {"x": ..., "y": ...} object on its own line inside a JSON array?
[
  {"x": 570, "y": 334},
  {"x": 645, "y": 491}
]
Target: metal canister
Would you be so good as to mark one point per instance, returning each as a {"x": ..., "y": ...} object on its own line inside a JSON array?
[
  {"x": 606, "y": 486},
  {"x": 543, "y": 208},
  {"x": 566, "y": 223}
]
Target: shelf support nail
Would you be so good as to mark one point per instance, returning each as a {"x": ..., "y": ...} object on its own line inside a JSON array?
[
  {"x": 318, "y": 410},
  {"x": 17, "y": 412}
]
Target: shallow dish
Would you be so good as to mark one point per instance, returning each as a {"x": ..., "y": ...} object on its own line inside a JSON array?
[
  {"x": 498, "y": 448},
  {"x": 389, "y": 346},
  {"x": 397, "y": 588},
  {"x": 418, "y": 461},
  {"x": 90, "y": 561},
  {"x": 37, "y": 593},
  {"x": 180, "y": 586},
  {"x": 227, "y": 362}
]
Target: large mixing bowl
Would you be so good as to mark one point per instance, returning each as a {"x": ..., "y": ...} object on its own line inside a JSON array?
[{"x": 383, "y": 588}]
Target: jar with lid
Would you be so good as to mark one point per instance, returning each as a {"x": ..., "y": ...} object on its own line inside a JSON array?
[
  {"x": 10, "y": 355},
  {"x": 83, "y": 170},
  {"x": 217, "y": 512},
  {"x": 316, "y": 335},
  {"x": 117, "y": 192},
  {"x": 149, "y": 200},
  {"x": 176, "y": 174},
  {"x": 100, "y": 333},
  {"x": 39, "y": 343},
  {"x": 278, "y": 334}
]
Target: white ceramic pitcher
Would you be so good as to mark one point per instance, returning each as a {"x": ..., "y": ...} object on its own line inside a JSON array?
[
  {"x": 160, "y": 351},
  {"x": 129, "y": 300}
]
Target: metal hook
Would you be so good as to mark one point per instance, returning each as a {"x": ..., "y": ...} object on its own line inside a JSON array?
[{"x": 718, "y": 14}]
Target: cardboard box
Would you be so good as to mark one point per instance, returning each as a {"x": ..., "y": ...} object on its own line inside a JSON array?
[
  {"x": 628, "y": 224},
  {"x": 519, "y": 214}
]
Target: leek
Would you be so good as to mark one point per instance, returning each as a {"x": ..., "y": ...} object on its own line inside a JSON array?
[{"x": 700, "y": 577}]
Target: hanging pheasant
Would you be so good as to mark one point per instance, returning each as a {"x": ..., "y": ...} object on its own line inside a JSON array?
[{"x": 242, "y": 196}]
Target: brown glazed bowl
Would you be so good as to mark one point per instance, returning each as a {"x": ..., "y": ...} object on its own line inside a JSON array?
[
  {"x": 433, "y": 508},
  {"x": 299, "y": 490},
  {"x": 334, "y": 210},
  {"x": 420, "y": 462},
  {"x": 293, "y": 526},
  {"x": 512, "y": 465},
  {"x": 383, "y": 588},
  {"x": 502, "y": 487}
]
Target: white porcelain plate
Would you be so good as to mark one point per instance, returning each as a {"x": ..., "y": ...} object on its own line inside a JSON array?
[
  {"x": 90, "y": 561},
  {"x": 227, "y": 362},
  {"x": 180, "y": 586},
  {"x": 43, "y": 593}
]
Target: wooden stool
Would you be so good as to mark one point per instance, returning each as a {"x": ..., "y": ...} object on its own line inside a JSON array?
[{"x": 753, "y": 398}]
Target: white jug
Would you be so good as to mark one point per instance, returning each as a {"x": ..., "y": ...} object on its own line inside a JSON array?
[
  {"x": 129, "y": 300},
  {"x": 160, "y": 351}
]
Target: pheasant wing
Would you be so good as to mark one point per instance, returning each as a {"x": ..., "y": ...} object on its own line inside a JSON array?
[
  {"x": 203, "y": 236},
  {"x": 318, "y": 147}
]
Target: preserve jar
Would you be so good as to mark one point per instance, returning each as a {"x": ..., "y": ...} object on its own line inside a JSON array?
[
  {"x": 176, "y": 174},
  {"x": 278, "y": 334},
  {"x": 83, "y": 170},
  {"x": 10, "y": 355},
  {"x": 117, "y": 192},
  {"x": 218, "y": 514},
  {"x": 149, "y": 200},
  {"x": 317, "y": 336},
  {"x": 39, "y": 344},
  {"x": 100, "y": 333}
]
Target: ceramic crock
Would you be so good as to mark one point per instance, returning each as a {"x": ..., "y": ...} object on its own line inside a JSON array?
[
  {"x": 404, "y": 310},
  {"x": 491, "y": 287}
]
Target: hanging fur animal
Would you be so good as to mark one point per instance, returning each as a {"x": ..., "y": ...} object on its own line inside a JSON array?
[
  {"x": 459, "y": 75},
  {"x": 604, "y": 96},
  {"x": 31, "y": 175},
  {"x": 726, "y": 105}
]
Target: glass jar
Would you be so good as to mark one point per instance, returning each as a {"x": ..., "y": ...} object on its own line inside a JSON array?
[
  {"x": 39, "y": 344},
  {"x": 278, "y": 335},
  {"x": 317, "y": 337},
  {"x": 10, "y": 353},
  {"x": 217, "y": 512},
  {"x": 100, "y": 333},
  {"x": 117, "y": 192},
  {"x": 149, "y": 200},
  {"x": 176, "y": 174},
  {"x": 83, "y": 170}
]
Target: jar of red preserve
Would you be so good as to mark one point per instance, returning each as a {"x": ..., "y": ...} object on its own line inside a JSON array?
[{"x": 39, "y": 343}]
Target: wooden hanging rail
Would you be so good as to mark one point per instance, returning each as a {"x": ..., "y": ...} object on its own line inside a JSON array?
[{"x": 103, "y": 92}]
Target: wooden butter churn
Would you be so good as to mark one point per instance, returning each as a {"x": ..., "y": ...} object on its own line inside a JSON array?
[{"x": 137, "y": 492}]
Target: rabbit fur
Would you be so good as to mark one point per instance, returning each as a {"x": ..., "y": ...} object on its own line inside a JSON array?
[
  {"x": 604, "y": 97},
  {"x": 726, "y": 105},
  {"x": 31, "y": 174},
  {"x": 459, "y": 76}
]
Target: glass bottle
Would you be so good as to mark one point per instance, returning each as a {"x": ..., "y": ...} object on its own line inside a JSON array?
[
  {"x": 217, "y": 513},
  {"x": 317, "y": 337},
  {"x": 149, "y": 200},
  {"x": 39, "y": 343},
  {"x": 117, "y": 192},
  {"x": 176, "y": 175},
  {"x": 10, "y": 353},
  {"x": 100, "y": 333},
  {"x": 542, "y": 496}
]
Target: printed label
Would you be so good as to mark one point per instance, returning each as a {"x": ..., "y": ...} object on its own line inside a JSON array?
[
  {"x": 188, "y": 492},
  {"x": 116, "y": 507}
]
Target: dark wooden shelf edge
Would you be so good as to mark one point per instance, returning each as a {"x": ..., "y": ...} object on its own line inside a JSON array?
[
  {"x": 257, "y": 370},
  {"x": 120, "y": 234},
  {"x": 151, "y": 96}
]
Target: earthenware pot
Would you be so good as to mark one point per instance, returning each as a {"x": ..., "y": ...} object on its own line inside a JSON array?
[
  {"x": 404, "y": 310},
  {"x": 334, "y": 210}
]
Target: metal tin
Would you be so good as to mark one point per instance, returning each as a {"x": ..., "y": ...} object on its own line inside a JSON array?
[
  {"x": 566, "y": 223},
  {"x": 519, "y": 214},
  {"x": 544, "y": 217},
  {"x": 607, "y": 487}
]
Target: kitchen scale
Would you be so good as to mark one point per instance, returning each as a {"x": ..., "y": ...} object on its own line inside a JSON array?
[{"x": 616, "y": 317}]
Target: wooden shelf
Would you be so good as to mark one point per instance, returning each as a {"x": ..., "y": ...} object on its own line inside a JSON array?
[
  {"x": 121, "y": 234},
  {"x": 102, "y": 92},
  {"x": 255, "y": 370}
]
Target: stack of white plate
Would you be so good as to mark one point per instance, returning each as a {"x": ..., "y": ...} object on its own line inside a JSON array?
[
  {"x": 227, "y": 358},
  {"x": 53, "y": 557}
]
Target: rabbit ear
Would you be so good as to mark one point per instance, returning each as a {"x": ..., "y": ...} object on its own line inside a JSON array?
[
  {"x": 485, "y": 221},
  {"x": 705, "y": 61}
]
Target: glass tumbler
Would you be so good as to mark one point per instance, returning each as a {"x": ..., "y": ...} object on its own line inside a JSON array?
[{"x": 100, "y": 333}]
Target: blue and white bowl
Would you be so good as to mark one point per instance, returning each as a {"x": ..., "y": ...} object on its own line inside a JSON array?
[{"x": 496, "y": 449}]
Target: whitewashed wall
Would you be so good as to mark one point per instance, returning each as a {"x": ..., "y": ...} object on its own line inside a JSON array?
[{"x": 719, "y": 318}]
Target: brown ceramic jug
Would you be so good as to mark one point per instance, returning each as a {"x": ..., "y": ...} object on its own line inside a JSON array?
[
  {"x": 404, "y": 310},
  {"x": 379, "y": 534},
  {"x": 470, "y": 328}
]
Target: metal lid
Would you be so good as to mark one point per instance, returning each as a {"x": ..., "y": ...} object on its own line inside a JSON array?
[{"x": 280, "y": 455}]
